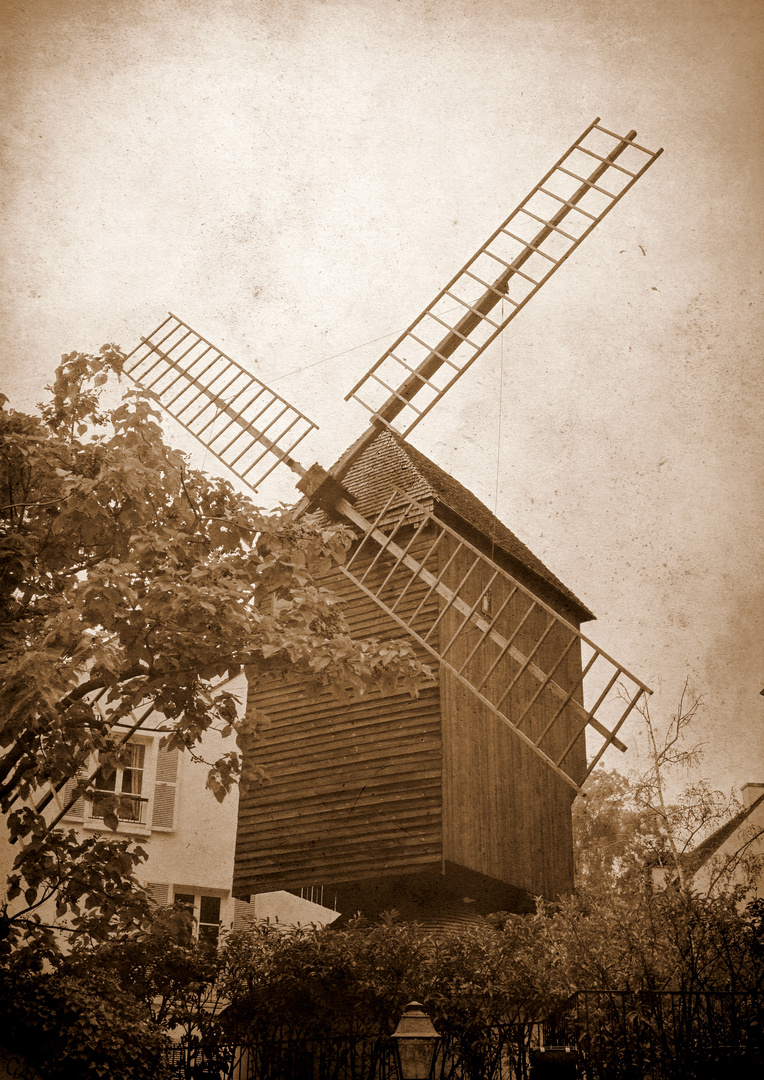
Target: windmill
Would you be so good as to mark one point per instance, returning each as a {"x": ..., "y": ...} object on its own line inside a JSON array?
[{"x": 463, "y": 795}]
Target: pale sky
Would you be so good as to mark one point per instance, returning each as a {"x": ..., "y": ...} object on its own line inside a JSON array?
[{"x": 296, "y": 180}]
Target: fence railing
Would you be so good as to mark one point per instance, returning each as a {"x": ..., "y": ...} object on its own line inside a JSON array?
[
  {"x": 666, "y": 1035},
  {"x": 620, "y": 1035}
]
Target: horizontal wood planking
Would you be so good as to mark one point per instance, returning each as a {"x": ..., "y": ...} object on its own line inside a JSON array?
[
  {"x": 371, "y": 787},
  {"x": 354, "y": 788}
]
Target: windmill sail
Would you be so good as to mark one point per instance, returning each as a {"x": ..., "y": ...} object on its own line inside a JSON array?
[
  {"x": 493, "y": 634},
  {"x": 512, "y": 652},
  {"x": 510, "y": 268},
  {"x": 516, "y": 679},
  {"x": 249, "y": 427}
]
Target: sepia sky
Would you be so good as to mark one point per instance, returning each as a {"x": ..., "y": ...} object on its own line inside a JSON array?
[{"x": 297, "y": 180}]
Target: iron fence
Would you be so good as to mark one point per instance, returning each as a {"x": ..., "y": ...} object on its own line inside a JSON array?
[
  {"x": 595, "y": 1035},
  {"x": 663, "y": 1035}
]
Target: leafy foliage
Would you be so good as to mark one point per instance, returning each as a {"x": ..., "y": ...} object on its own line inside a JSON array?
[
  {"x": 698, "y": 809},
  {"x": 614, "y": 835},
  {"x": 72, "y": 1026},
  {"x": 625, "y": 825},
  {"x": 483, "y": 985},
  {"x": 130, "y": 585}
]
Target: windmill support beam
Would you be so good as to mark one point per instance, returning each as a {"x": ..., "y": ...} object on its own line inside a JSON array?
[{"x": 482, "y": 624}]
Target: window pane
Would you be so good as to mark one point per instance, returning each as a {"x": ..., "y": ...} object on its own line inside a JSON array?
[
  {"x": 209, "y": 909},
  {"x": 186, "y": 900},
  {"x": 100, "y": 806},
  {"x": 106, "y": 779},
  {"x": 137, "y": 755},
  {"x": 209, "y": 919},
  {"x": 132, "y": 776}
]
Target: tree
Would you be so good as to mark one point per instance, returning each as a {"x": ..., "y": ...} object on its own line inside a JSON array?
[
  {"x": 132, "y": 584},
  {"x": 698, "y": 809},
  {"x": 625, "y": 824},
  {"x": 614, "y": 835}
]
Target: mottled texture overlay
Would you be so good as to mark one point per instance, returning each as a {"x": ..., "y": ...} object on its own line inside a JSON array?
[{"x": 297, "y": 180}]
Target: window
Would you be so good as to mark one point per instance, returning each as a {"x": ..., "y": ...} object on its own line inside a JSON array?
[
  {"x": 127, "y": 781},
  {"x": 146, "y": 782},
  {"x": 206, "y": 913}
]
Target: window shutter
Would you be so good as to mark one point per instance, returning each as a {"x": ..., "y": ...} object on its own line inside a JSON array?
[
  {"x": 163, "y": 816},
  {"x": 78, "y": 810},
  {"x": 243, "y": 915},
  {"x": 160, "y": 894}
]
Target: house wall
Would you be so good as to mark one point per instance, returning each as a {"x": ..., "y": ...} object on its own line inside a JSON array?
[{"x": 196, "y": 855}]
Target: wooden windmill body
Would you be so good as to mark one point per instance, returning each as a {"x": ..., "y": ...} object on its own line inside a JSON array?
[
  {"x": 428, "y": 805},
  {"x": 459, "y": 799}
]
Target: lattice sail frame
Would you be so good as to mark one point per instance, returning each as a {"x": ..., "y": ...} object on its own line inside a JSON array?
[
  {"x": 245, "y": 424},
  {"x": 512, "y": 265},
  {"x": 385, "y": 570},
  {"x": 183, "y": 369}
]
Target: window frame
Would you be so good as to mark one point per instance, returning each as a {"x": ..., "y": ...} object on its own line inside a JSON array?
[
  {"x": 126, "y": 797},
  {"x": 151, "y": 740},
  {"x": 181, "y": 894}
]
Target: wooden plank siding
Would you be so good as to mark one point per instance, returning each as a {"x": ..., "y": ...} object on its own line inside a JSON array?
[
  {"x": 354, "y": 788},
  {"x": 431, "y": 799},
  {"x": 505, "y": 813}
]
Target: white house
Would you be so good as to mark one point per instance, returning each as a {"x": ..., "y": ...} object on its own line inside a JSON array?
[
  {"x": 188, "y": 835},
  {"x": 731, "y": 856},
  {"x": 165, "y": 807}
]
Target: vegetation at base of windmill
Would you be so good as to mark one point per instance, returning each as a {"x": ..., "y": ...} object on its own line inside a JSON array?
[
  {"x": 129, "y": 582},
  {"x": 475, "y": 982},
  {"x": 624, "y": 954},
  {"x": 484, "y": 984},
  {"x": 478, "y": 983},
  {"x": 669, "y": 940},
  {"x": 344, "y": 983}
]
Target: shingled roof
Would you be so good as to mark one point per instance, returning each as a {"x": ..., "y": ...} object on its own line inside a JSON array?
[{"x": 388, "y": 463}]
